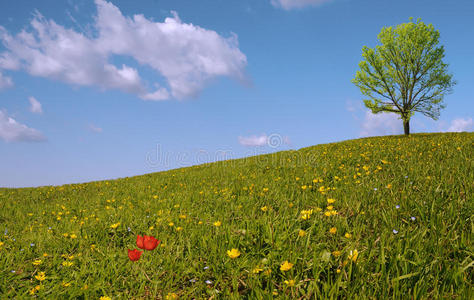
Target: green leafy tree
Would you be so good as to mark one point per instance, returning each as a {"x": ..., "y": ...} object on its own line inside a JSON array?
[{"x": 405, "y": 74}]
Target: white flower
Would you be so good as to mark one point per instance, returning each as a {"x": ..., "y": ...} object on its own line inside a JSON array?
[{"x": 395, "y": 231}]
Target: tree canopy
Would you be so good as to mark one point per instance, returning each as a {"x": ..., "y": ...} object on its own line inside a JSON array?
[{"x": 406, "y": 73}]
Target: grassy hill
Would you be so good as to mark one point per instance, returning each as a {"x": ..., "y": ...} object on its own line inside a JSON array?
[{"x": 370, "y": 218}]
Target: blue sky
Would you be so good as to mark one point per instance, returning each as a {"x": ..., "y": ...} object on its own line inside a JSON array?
[{"x": 107, "y": 89}]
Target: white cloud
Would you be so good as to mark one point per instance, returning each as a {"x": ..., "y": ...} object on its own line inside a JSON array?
[
  {"x": 460, "y": 124},
  {"x": 95, "y": 129},
  {"x": 252, "y": 141},
  {"x": 295, "y": 4},
  {"x": 186, "y": 55},
  {"x": 35, "y": 106},
  {"x": 12, "y": 131},
  {"x": 273, "y": 140},
  {"x": 5, "y": 82},
  {"x": 380, "y": 124}
]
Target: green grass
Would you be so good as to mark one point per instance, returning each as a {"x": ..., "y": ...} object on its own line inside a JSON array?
[{"x": 429, "y": 176}]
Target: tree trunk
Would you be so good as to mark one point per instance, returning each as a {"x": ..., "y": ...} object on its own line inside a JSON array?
[{"x": 406, "y": 126}]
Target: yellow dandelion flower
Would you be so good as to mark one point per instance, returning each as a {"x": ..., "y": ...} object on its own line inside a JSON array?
[
  {"x": 338, "y": 271},
  {"x": 290, "y": 283},
  {"x": 290, "y": 205},
  {"x": 353, "y": 255},
  {"x": 217, "y": 223},
  {"x": 37, "y": 262},
  {"x": 330, "y": 207},
  {"x": 257, "y": 270},
  {"x": 171, "y": 296},
  {"x": 233, "y": 253},
  {"x": 333, "y": 230},
  {"x": 67, "y": 263},
  {"x": 65, "y": 284},
  {"x": 331, "y": 201},
  {"x": 327, "y": 213},
  {"x": 182, "y": 217},
  {"x": 170, "y": 224},
  {"x": 389, "y": 186},
  {"x": 264, "y": 208},
  {"x": 200, "y": 222},
  {"x": 348, "y": 235},
  {"x": 285, "y": 266},
  {"x": 105, "y": 298},
  {"x": 113, "y": 226},
  {"x": 336, "y": 253},
  {"x": 179, "y": 228},
  {"x": 35, "y": 289},
  {"x": 333, "y": 212},
  {"x": 73, "y": 236},
  {"x": 45, "y": 254},
  {"x": 301, "y": 233},
  {"x": 41, "y": 276}
]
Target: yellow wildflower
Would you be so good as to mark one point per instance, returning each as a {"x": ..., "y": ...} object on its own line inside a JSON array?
[
  {"x": 257, "y": 270},
  {"x": 217, "y": 223},
  {"x": 234, "y": 253},
  {"x": 179, "y": 228},
  {"x": 290, "y": 283},
  {"x": 67, "y": 263},
  {"x": 353, "y": 255},
  {"x": 348, "y": 235},
  {"x": 330, "y": 207},
  {"x": 41, "y": 276},
  {"x": 330, "y": 200},
  {"x": 33, "y": 290},
  {"x": 65, "y": 284},
  {"x": 170, "y": 224},
  {"x": 285, "y": 266},
  {"x": 37, "y": 262},
  {"x": 105, "y": 298},
  {"x": 113, "y": 226},
  {"x": 264, "y": 208},
  {"x": 73, "y": 236},
  {"x": 301, "y": 233},
  {"x": 336, "y": 253},
  {"x": 327, "y": 213},
  {"x": 171, "y": 296},
  {"x": 333, "y": 230}
]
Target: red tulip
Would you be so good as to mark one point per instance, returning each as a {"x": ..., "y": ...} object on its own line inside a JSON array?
[
  {"x": 150, "y": 242},
  {"x": 140, "y": 242},
  {"x": 134, "y": 254},
  {"x": 147, "y": 242}
]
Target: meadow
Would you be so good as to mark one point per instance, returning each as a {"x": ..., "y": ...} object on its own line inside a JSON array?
[{"x": 374, "y": 218}]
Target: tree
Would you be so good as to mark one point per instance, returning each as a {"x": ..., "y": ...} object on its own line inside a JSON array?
[{"x": 405, "y": 74}]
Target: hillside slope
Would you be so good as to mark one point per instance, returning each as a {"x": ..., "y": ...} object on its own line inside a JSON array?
[{"x": 372, "y": 218}]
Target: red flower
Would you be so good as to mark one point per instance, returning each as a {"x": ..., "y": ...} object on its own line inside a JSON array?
[
  {"x": 140, "y": 242},
  {"x": 134, "y": 254},
  {"x": 147, "y": 242}
]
